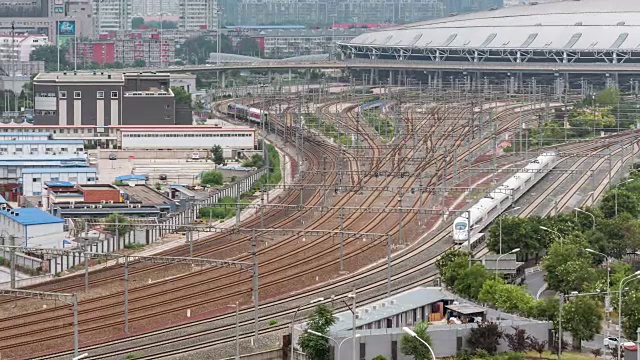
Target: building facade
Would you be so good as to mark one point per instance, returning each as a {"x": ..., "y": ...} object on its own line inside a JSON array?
[
  {"x": 111, "y": 15},
  {"x": 20, "y": 46},
  {"x": 104, "y": 99},
  {"x": 200, "y": 137},
  {"x": 198, "y": 15}
]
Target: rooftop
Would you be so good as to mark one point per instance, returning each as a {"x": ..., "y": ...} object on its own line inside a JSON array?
[
  {"x": 130, "y": 177},
  {"x": 59, "y": 184},
  {"x": 508, "y": 263},
  {"x": 93, "y": 76},
  {"x": 60, "y": 170},
  {"x": 466, "y": 309},
  {"x": 98, "y": 187},
  {"x": 396, "y": 304},
  {"x": 2, "y": 200},
  {"x": 10, "y": 159},
  {"x": 145, "y": 195},
  {"x": 31, "y": 216}
]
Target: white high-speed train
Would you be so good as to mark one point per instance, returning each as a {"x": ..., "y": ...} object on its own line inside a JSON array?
[{"x": 501, "y": 197}]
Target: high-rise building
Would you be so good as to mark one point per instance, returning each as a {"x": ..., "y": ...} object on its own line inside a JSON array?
[
  {"x": 111, "y": 15},
  {"x": 155, "y": 7},
  {"x": 198, "y": 15}
]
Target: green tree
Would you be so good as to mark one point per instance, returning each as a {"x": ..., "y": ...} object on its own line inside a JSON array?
[
  {"x": 582, "y": 317},
  {"x": 256, "y": 161},
  {"x": 197, "y": 49},
  {"x": 212, "y": 177},
  {"x": 631, "y": 310},
  {"x": 470, "y": 281},
  {"x": 139, "y": 63},
  {"x": 627, "y": 203},
  {"x": 249, "y": 46},
  {"x": 379, "y": 357},
  {"x": 485, "y": 337},
  {"x": 49, "y": 54},
  {"x": 137, "y": 22},
  {"x": 181, "y": 95},
  {"x": 124, "y": 226},
  {"x": 317, "y": 347},
  {"x": 608, "y": 97},
  {"x": 522, "y": 233},
  {"x": 413, "y": 347},
  {"x": 568, "y": 265},
  {"x": 451, "y": 264},
  {"x": 217, "y": 155}
]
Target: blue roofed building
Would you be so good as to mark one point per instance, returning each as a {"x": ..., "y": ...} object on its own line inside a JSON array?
[
  {"x": 132, "y": 179},
  {"x": 31, "y": 227}
]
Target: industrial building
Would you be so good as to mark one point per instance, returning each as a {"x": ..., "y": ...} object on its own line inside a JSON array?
[
  {"x": 31, "y": 227},
  {"x": 23, "y": 135},
  {"x": 34, "y": 180},
  {"x": 107, "y": 99},
  {"x": 42, "y": 147},
  {"x": 282, "y": 43}
]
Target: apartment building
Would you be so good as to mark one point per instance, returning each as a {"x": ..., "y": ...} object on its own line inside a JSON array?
[
  {"x": 106, "y": 99},
  {"x": 111, "y": 15},
  {"x": 197, "y": 15},
  {"x": 144, "y": 46},
  {"x": 19, "y": 46}
]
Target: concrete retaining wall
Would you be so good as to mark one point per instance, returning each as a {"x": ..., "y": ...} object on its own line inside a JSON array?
[{"x": 27, "y": 282}]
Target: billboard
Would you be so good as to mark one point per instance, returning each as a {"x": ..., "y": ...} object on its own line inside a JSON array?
[{"x": 66, "y": 28}]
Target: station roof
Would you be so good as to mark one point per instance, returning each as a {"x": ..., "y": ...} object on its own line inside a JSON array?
[
  {"x": 31, "y": 216},
  {"x": 567, "y": 25},
  {"x": 62, "y": 170}
]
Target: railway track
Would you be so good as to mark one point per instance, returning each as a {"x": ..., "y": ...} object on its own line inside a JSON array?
[{"x": 391, "y": 204}]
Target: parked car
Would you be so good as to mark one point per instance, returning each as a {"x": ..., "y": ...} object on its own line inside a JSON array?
[
  {"x": 112, "y": 156},
  {"x": 195, "y": 156},
  {"x": 611, "y": 342}
]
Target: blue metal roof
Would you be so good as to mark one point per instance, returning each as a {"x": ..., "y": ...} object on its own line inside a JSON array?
[
  {"x": 130, "y": 177},
  {"x": 40, "y": 142},
  {"x": 59, "y": 183},
  {"x": 31, "y": 216},
  {"x": 39, "y": 134},
  {"x": 60, "y": 170},
  {"x": 2, "y": 200}
]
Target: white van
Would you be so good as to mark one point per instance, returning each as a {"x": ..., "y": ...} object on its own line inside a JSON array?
[{"x": 195, "y": 156}]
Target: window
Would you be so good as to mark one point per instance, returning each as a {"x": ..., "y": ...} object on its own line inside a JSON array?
[
  {"x": 63, "y": 95},
  {"x": 73, "y": 179},
  {"x": 77, "y": 94},
  {"x": 37, "y": 193},
  {"x": 394, "y": 350},
  {"x": 18, "y": 149},
  {"x": 55, "y": 179},
  {"x": 363, "y": 348},
  {"x": 63, "y": 149},
  {"x": 36, "y": 179},
  {"x": 79, "y": 149},
  {"x": 100, "y": 94},
  {"x": 91, "y": 179},
  {"x": 114, "y": 94}
]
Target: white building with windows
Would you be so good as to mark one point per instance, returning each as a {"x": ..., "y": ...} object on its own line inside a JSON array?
[
  {"x": 187, "y": 137},
  {"x": 41, "y": 147},
  {"x": 198, "y": 15},
  {"x": 111, "y": 15},
  {"x": 31, "y": 227},
  {"x": 34, "y": 179},
  {"x": 23, "y": 46}
]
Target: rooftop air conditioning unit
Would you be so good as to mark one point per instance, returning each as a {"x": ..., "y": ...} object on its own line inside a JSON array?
[
  {"x": 102, "y": 201},
  {"x": 139, "y": 206},
  {"x": 384, "y": 304},
  {"x": 99, "y": 206},
  {"x": 92, "y": 206},
  {"x": 110, "y": 201}
]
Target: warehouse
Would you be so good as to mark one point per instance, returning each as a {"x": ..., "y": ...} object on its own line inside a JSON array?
[
  {"x": 33, "y": 180},
  {"x": 31, "y": 227},
  {"x": 187, "y": 137},
  {"x": 11, "y": 166}
]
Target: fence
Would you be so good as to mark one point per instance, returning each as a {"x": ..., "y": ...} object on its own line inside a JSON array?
[{"x": 27, "y": 282}]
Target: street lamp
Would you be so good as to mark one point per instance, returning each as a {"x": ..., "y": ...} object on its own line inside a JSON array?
[
  {"x": 334, "y": 340},
  {"x": 608, "y": 279},
  {"x": 620, "y": 289},
  {"x": 294, "y": 321},
  {"x": 593, "y": 227},
  {"x": 500, "y": 220},
  {"x": 615, "y": 194},
  {"x": 413, "y": 334},
  {"x": 499, "y": 257},
  {"x": 555, "y": 232}
]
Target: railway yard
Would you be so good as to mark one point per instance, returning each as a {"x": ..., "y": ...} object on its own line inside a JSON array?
[{"x": 363, "y": 209}]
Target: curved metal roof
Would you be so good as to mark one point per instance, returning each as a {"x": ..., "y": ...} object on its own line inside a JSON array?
[{"x": 565, "y": 25}]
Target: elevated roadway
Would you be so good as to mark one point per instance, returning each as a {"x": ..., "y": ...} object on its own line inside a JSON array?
[{"x": 359, "y": 64}]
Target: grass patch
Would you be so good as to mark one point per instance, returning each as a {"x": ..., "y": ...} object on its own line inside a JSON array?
[
  {"x": 567, "y": 355},
  {"x": 134, "y": 246},
  {"x": 382, "y": 125},
  {"x": 225, "y": 209},
  {"x": 327, "y": 129},
  {"x": 273, "y": 322},
  {"x": 132, "y": 356}
]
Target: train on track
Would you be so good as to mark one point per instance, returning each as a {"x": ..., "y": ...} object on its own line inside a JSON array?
[
  {"x": 247, "y": 113},
  {"x": 498, "y": 200}
]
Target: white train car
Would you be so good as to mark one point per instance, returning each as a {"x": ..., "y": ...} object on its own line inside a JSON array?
[
  {"x": 501, "y": 198},
  {"x": 247, "y": 113}
]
